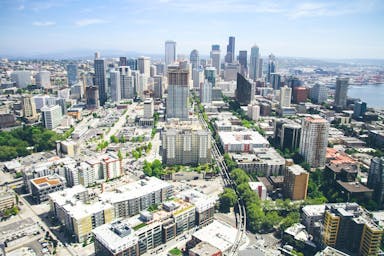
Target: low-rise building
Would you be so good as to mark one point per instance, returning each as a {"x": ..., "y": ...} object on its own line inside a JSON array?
[
  {"x": 259, "y": 189},
  {"x": 43, "y": 186},
  {"x": 7, "y": 199},
  {"x": 242, "y": 141}
]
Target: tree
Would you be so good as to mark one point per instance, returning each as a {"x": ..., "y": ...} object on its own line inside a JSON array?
[
  {"x": 120, "y": 155},
  {"x": 114, "y": 139},
  {"x": 227, "y": 200}
]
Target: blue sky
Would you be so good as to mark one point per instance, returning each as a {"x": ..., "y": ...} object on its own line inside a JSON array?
[{"x": 322, "y": 29}]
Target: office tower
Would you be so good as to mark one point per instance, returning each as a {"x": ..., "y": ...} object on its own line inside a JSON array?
[
  {"x": 243, "y": 61},
  {"x": 265, "y": 109},
  {"x": 210, "y": 75},
  {"x": 141, "y": 85},
  {"x": 245, "y": 90},
  {"x": 170, "y": 53},
  {"x": 144, "y": 65},
  {"x": 271, "y": 66},
  {"x": 52, "y": 116},
  {"x": 72, "y": 74},
  {"x": 186, "y": 147},
  {"x": 351, "y": 229},
  {"x": 22, "y": 78},
  {"x": 275, "y": 81},
  {"x": 160, "y": 68},
  {"x": 29, "y": 107},
  {"x": 62, "y": 104},
  {"x": 158, "y": 87},
  {"x": 194, "y": 59},
  {"x": 149, "y": 108},
  {"x": 230, "y": 71},
  {"x": 290, "y": 136},
  {"x": 215, "y": 57},
  {"x": 206, "y": 92},
  {"x": 132, "y": 63},
  {"x": 177, "y": 100},
  {"x": 43, "y": 79},
  {"x": 127, "y": 84},
  {"x": 97, "y": 55},
  {"x": 376, "y": 179},
  {"x": 341, "y": 92},
  {"x": 153, "y": 71},
  {"x": 101, "y": 79},
  {"x": 318, "y": 93},
  {"x": 285, "y": 96},
  {"x": 254, "y": 63},
  {"x": 77, "y": 91},
  {"x": 314, "y": 140},
  {"x": 260, "y": 68},
  {"x": 197, "y": 77},
  {"x": 123, "y": 61},
  {"x": 300, "y": 94},
  {"x": 115, "y": 86},
  {"x": 253, "y": 112},
  {"x": 295, "y": 182},
  {"x": 230, "y": 57},
  {"x": 359, "y": 109},
  {"x": 92, "y": 97}
]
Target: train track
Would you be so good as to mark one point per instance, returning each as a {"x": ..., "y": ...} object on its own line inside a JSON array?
[{"x": 241, "y": 215}]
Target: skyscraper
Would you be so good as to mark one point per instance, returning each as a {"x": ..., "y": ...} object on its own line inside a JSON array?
[
  {"x": 144, "y": 65},
  {"x": 123, "y": 61},
  {"x": 285, "y": 96},
  {"x": 295, "y": 182},
  {"x": 177, "y": 100},
  {"x": 314, "y": 140},
  {"x": 230, "y": 57},
  {"x": 318, "y": 93},
  {"x": 210, "y": 75},
  {"x": 376, "y": 179},
  {"x": 22, "y": 78},
  {"x": 206, "y": 92},
  {"x": 341, "y": 92},
  {"x": 194, "y": 59},
  {"x": 215, "y": 56},
  {"x": 43, "y": 79},
  {"x": 127, "y": 84},
  {"x": 101, "y": 79},
  {"x": 170, "y": 52},
  {"x": 72, "y": 74},
  {"x": 359, "y": 109},
  {"x": 245, "y": 90},
  {"x": 92, "y": 97},
  {"x": 243, "y": 61},
  {"x": 51, "y": 116},
  {"x": 29, "y": 107},
  {"x": 271, "y": 66},
  {"x": 254, "y": 63},
  {"x": 260, "y": 68},
  {"x": 115, "y": 86}
]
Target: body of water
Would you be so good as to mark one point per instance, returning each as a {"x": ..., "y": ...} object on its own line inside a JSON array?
[{"x": 373, "y": 94}]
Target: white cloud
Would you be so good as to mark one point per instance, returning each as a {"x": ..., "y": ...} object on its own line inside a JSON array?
[
  {"x": 43, "y": 23},
  {"x": 87, "y": 22}
]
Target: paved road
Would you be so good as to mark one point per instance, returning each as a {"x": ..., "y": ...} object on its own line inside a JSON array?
[{"x": 120, "y": 123}]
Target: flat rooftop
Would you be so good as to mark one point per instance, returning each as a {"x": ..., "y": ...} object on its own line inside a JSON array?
[
  {"x": 354, "y": 187},
  {"x": 46, "y": 181}
]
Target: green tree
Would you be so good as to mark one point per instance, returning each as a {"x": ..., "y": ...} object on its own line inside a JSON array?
[{"x": 227, "y": 200}]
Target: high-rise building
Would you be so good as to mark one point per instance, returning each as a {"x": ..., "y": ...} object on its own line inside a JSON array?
[
  {"x": 285, "y": 97},
  {"x": 52, "y": 116},
  {"x": 230, "y": 57},
  {"x": 295, "y": 182},
  {"x": 97, "y": 55},
  {"x": 260, "y": 68},
  {"x": 43, "y": 79},
  {"x": 21, "y": 78},
  {"x": 243, "y": 61},
  {"x": 275, "y": 81},
  {"x": 92, "y": 97},
  {"x": 158, "y": 87},
  {"x": 178, "y": 90},
  {"x": 148, "y": 108},
  {"x": 245, "y": 90},
  {"x": 170, "y": 52},
  {"x": 186, "y": 147},
  {"x": 359, "y": 109},
  {"x": 72, "y": 74},
  {"x": 101, "y": 79},
  {"x": 376, "y": 179},
  {"x": 29, "y": 107},
  {"x": 300, "y": 94},
  {"x": 271, "y": 66},
  {"x": 254, "y": 63},
  {"x": 194, "y": 58},
  {"x": 318, "y": 93},
  {"x": 127, "y": 84},
  {"x": 215, "y": 57},
  {"x": 132, "y": 63},
  {"x": 253, "y": 112},
  {"x": 341, "y": 92},
  {"x": 210, "y": 75},
  {"x": 115, "y": 86},
  {"x": 350, "y": 229},
  {"x": 123, "y": 61},
  {"x": 230, "y": 71},
  {"x": 314, "y": 140},
  {"x": 144, "y": 65},
  {"x": 197, "y": 77},
  {"x": 206, "y": 92},
  {"x": 290, "y": 136}
]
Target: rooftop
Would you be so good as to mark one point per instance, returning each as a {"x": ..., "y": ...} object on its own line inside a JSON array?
[
  {"x": 354, "y": 187},
  {"x": 245, "y": 137},
  {"x": 314, "y": 210},
  {"x": 296, "y": 169},
  {"x": 46, "y": 181}
]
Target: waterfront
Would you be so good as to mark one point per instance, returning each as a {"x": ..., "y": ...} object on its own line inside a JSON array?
[{"x": 373, "y": 94}]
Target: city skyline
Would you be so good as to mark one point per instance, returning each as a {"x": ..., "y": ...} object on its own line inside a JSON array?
[{"x": 321, "y": 29}]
